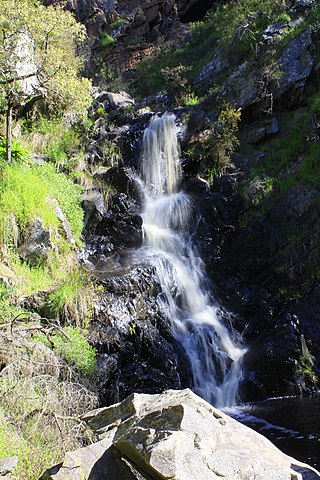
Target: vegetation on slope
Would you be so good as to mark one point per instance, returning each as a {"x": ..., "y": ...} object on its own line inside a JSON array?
[{"x": 46, "y": 300}]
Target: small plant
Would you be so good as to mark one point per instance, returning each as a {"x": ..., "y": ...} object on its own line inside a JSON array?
[
  {"x": 100, "y": 112},
  {"x": 106, "y": 40},
  {"x": 118, "y": 22},
  {"x": 69, "y": 301},
  {"x": 306, "y": 364},
  {"x": 71, "y": 343},
  {"x": 191, "y": 100}
]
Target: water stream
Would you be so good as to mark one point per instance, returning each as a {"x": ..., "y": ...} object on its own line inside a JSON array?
[{"x": 214, "y": 353}]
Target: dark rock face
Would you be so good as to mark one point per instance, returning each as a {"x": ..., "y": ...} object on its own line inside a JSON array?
[
  {"x": 250, "y": 266},
  {"x": 136, "y": 349},
  {"x": 262, "y": 272}
]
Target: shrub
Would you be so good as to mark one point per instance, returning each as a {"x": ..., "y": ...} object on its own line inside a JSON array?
[
  {"x": 19, "y": 152},
  {"x": 106, "y": 40},
  {"x": 222, "y": 140},
  {"x": 176, "y": 81}
]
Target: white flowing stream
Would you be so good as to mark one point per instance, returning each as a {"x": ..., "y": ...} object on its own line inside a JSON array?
[{"x": 215, "y": 357}]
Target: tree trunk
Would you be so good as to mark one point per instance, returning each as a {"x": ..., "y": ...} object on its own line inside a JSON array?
[{"x": 9, "y": 128}]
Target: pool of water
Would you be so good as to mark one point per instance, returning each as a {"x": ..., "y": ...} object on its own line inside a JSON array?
[{"x": 291, "y": 423}]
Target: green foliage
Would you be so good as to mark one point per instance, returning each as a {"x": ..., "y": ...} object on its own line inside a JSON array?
[
  {"x": 7, "y": 308},
  {"x": 309, "y": 171},
  {"x": 70, "y": 300},
  {"x": 191, "y": 100},
  {"x": 19, "y": 153},
  {"x": 117, "y": 23},
  {"x": 73, "y": 346},
  {"x": 46, "y": 38},
  {"x": 241, "y": 23},
  {"x": 27, "y": 192},
  {"x": 106, "y": 40},
  {"x": 176, "y": 82},
  {"x": 222, "y": 140}
]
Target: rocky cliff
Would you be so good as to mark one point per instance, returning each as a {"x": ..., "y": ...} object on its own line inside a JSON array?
[{"x": 258, "y": 222}]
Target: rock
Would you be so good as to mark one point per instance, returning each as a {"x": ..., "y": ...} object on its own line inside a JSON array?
[
  {"x": 123, "y": 224},
  {"x": 274, "y": 31},
  {"x": 100, "y": 460},
  {"x": 301, "y": 5},
  {"x": 7, "y": 465},
  {"x": 64, "y": 222},
  {"x": 243, "y": 87},
  {"x": 217, "y": 65},
  {"x": 295, "y": 64},
  {"x": 137, "y": 349},
  {"x": 93, "y": 204},
  {"x": 36, "y": 243},
  {"x": 263, "y": 132},
  {"x": 177, "y": 435},
  {"x": 115, "y": 100}
]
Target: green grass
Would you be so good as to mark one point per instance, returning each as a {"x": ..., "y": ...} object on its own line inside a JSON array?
[
  {"x": 54, "y": 138},
  {"x": 29, "y": 191},
  {"x": 74, "y": 347},
  {"x": 34, "y": 454}
]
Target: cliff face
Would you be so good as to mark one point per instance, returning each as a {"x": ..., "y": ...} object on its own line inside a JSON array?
[{"x": 259, "y": 218}]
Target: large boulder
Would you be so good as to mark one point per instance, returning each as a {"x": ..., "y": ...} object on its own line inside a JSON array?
[
  {"x": 176, "y": 435},
  {"x": 295, "y": 64}
]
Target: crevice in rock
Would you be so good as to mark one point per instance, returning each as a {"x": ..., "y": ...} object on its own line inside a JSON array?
[{"x": 196, "y": 11}]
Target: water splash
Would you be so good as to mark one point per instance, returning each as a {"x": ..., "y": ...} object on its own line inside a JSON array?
[{"x": 215, "y": 358}]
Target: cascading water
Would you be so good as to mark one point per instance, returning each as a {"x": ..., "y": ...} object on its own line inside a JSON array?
[{"x": 215, "y": 358}]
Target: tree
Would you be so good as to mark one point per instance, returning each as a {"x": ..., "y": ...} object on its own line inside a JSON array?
[{"x": 38, "y": 59}]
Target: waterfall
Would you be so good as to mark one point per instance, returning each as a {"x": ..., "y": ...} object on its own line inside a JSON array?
[{"x": 215, "y": 358}]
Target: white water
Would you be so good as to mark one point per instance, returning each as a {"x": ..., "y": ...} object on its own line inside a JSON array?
[{"x": 214, "y": 356}]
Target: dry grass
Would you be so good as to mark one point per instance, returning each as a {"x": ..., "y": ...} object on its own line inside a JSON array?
[{"x": 41, "y": 399}]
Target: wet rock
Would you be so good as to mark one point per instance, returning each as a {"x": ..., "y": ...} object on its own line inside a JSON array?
[
  {"x": 93, "y": 203},
  {"x": 180, "y": 436},
  {"x": 123, "y": 224},
  {"x": 122, "y": 180},
  {"x": 36, "y": 244}
]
